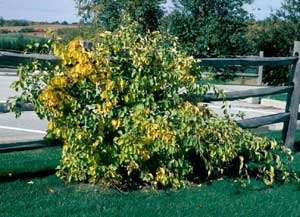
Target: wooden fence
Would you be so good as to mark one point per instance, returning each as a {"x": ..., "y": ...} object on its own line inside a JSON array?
[
  {"x": 289, "y": 117},
  {"x": 291, "y": 114},
  {"x": 243, "y": 75}
]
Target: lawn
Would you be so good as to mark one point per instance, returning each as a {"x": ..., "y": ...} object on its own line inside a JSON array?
[
  {"x": 280, "y": 97},
  {"x": 28, "y": 161},
  {"x": 277, "y": 135},
  {"x": 27, "y": 189},
  {"x": 51, "y": 197}
]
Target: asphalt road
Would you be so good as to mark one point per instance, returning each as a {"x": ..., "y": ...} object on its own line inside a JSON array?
[
  {"x": 29, "y": 127},
  {"x": 245, "y": 106},
  {"x": 5, "y": 91}
]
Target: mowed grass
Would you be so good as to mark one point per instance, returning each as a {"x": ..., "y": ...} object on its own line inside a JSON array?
[
  {"x": 277, "y": 135},
  {"x": 15, "y": 163},
  {"x": 49, "y": 196},
  {"x": 279, "y": 97}
]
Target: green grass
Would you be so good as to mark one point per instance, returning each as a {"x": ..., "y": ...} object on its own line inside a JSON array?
[
  {"x": 280, "y": 97},
  {"x": 277, "y": 135},
  {"x": 18, "y": 42},
  {"x": 49, "y": 196},
  {"x": 29, "y": 161}
]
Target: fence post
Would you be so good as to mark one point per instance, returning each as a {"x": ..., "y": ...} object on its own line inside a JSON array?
[
  {"x": 260, "y": 70},
  {"x": 292, "y": 105},
  {"x": 256, "y": 100}
]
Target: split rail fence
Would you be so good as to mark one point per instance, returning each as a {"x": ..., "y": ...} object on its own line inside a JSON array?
[
  {"x": 289, "y": 117},
  {"x": 243, "y": 75}
]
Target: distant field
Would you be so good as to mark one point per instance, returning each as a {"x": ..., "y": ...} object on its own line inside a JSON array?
[
  {"x": 37, "y": 30},
  {"x": 18, "y": 41}
]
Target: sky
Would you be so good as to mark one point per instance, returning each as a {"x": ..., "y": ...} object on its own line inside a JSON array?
[
  {"x": 262, "y": 8},
  {"x": 39, "y": 10},
  {"x": 65, "y": 10}
]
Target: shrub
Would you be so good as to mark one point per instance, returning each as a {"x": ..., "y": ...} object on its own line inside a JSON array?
[{"x": 118, "y": 110}]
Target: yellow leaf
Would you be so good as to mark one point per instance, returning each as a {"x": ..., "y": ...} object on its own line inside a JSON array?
[{"x": 116, "y": 123}]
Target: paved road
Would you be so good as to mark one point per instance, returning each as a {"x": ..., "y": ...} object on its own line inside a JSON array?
[
  {"x": 5, "y": 91},
  {"x": 246, "y": 106},
  {"x": 29, "y": 127},
  {"x": 249, "y": 109}
]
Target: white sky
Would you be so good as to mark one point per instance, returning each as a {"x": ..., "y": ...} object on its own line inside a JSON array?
[{"x": 64, "y": 10}]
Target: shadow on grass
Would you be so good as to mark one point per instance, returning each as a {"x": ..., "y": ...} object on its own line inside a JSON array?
[
  {"x": 31, "y": 164},
  {"x": 31, "y": 145},
  {"x": 26, "y": 175}
]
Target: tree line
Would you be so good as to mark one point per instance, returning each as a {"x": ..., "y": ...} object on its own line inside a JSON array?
[
  {"x": 207, "y": 28},
  {"x": 15, "y": 22}
]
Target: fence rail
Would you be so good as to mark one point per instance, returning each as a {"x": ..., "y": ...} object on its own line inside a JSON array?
[
  {"x": 265, "y": 120},
  {"x": 248, "y": 93},
  {"x": 4, "y": 107},
  {"x": 251, "y": 75},
  {"x": 289, "y": 117},
  {"x": 18, "y": 56},
  {"x": 250, "y": 61}
]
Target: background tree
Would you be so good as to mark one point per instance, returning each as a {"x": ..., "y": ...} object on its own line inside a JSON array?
[
  {"x": 210, "y": 28},
  {"x": 109, "y": 13},
  {"x": 290, "y": 9},
  {"x": 1, "y": 21},
  {"x": 275, "y": 36}
]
